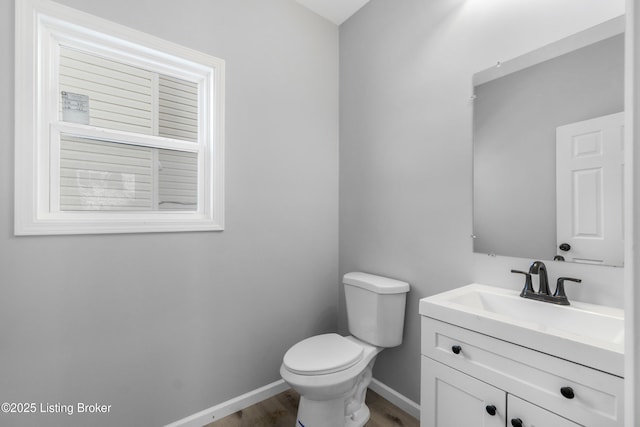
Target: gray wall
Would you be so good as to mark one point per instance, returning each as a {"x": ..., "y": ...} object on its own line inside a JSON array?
[
  {"x": 161, "y": 326},
  {"x": 405, "y": 147},
  {"x": 514, "y": 143}
]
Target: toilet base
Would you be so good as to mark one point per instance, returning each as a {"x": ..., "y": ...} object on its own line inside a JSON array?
[
  {"x": 345, "y": 411},
  {"x": 358, "y": 419},
  {"x": 329, "y": 414}
]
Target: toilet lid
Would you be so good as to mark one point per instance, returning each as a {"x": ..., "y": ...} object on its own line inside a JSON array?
[{"x": 322, "y": 354}]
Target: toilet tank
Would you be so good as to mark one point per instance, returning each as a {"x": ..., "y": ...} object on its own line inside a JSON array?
[{"x": 375, "y": 308}]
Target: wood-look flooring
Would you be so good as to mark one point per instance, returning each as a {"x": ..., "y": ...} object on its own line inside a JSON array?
[{"x": 281, "y": 409}]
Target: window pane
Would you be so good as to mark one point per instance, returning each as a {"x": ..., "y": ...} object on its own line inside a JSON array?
[
  {"x": 113, "y": 95},
  {"x": 98, "y": 175},
  {"x": 178, "y": 109},
  {"x": 178, "y": 180},
  {"x": 102, "y": 175},
  {"x": 119, "y": 96}
]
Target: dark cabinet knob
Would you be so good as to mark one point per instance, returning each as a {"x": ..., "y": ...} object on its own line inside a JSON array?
[
  {"x": 516, "y": 422},
  {"x": 565, "y": 247},
  {"x": 567, "y": 392},
  {"x": 491, "y": 410},
  {"x": 456, "y": 349}
]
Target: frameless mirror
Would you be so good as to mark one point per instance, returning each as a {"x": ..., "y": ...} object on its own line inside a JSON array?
[{"x": 547, "y": 151}]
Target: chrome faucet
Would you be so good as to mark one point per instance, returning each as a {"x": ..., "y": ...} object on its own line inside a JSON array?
[{"x": 544, "y": 294}]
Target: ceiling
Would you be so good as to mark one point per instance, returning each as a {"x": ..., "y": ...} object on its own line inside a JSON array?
[{"x": 336, "y": 11}]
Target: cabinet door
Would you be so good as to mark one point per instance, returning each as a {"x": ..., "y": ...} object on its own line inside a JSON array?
[
  {"x": 530, "y": 415},
  {"x": 450, "y": 398}
]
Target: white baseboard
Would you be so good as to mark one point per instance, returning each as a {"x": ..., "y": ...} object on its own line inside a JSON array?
[
  {"x": 401, "y": 401},
  {"x": 230, "y": 406},
  {"x": 258, "y": 395}
]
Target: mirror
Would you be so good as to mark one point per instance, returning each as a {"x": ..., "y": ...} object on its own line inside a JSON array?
[{"x": 547, "y": 151}]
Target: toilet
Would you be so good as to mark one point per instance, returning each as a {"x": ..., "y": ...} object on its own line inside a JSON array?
[{"x": 331, "y": 372}]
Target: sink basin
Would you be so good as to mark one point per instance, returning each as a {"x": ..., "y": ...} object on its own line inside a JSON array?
[{"x": 588, "y": 334}]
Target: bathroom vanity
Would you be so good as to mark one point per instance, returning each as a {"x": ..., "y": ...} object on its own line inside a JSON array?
[{"x": 491, "y": 358}]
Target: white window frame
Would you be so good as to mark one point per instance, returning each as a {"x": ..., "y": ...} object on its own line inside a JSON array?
[{"x": 42, "y": 26}]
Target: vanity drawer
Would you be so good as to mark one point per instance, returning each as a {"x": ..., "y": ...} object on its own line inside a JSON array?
[{"x": 529, "y": 374}]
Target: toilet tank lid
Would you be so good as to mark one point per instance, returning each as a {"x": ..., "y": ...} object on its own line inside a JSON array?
[{"x": 377, "y": 284}]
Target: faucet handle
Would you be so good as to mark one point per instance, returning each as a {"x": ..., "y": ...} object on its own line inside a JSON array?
[
  {"x": 521, "y": 272},
  {"x": 528, "y": 285},
  {"x": 559, "y": 293}
]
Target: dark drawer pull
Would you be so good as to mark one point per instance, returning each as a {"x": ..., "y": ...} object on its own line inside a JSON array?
[
  {"x": 567, "y": 392},
  {"x": 456, "y": 349},
  {"x": 516, "y": 422},
  {"x": 491, "y": 410}
]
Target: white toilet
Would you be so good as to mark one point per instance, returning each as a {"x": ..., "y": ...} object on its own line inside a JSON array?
[{"x": 332, "y": 372}]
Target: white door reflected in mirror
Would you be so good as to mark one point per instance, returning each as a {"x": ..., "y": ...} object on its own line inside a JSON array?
[{"x": 589, "y": 187}]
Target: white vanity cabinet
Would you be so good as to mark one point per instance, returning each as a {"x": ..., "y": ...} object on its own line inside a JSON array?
[
  {"x": 531, "y": 415},
  {"x": 452, "y": 398},
  {"x": 473, "y": 379}
]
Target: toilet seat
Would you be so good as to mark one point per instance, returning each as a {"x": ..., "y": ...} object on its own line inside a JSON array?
[{"x": 322, "y": 354}]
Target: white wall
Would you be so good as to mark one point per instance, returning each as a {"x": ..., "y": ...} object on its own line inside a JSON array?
[
  {"x": 161, "y": 326},
  {"x": 405, "y": 147}
]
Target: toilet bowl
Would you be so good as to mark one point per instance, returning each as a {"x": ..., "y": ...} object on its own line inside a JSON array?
[{"x": 331, "y": 372}]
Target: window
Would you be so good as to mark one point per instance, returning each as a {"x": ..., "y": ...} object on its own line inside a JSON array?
[{"x": 116, "y": 131}]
